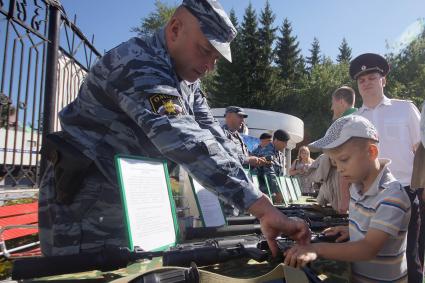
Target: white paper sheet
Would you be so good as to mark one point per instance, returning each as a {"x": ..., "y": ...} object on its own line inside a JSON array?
[
  {"x": 211, "y": 211},
  {"x": 147, "y": 202}
]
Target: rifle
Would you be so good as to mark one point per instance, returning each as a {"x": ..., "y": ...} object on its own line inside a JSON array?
[
  {"x": 250, "y": 224},
  {"x": 111, "y": 258},
  {"x": 222, "y": 231}
]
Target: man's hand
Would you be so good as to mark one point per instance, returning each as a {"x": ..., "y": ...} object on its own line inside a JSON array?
[
  {"x": 299, "y": 256},
  {"x": 256, "y": 161},
  {"x": 274, "y": 223},
  {"x": 342, "y": 230}
]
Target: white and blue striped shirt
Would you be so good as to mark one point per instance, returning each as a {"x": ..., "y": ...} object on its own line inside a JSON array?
[{"x": 384, "y": 206}]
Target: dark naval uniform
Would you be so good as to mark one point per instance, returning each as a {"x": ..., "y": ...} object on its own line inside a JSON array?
[{"x": 133, "y": 102}]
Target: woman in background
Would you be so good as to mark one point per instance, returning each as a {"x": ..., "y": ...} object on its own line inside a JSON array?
[{"x": 300, "y": 167}]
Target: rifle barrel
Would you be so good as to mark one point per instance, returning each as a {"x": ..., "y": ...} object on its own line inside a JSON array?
[
  {"x": 211, "y": 232},
  {"x": 106, "y": 260}
]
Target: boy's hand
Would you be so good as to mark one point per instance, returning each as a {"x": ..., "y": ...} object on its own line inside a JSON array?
[
  {"x": 299, "y": 256},
  {"x": 342, "y": 230}
]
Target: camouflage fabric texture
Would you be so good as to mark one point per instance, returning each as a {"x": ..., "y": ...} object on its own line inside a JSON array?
[
  {"x": 272, "y": 171},
  {"x": 328, "y": 271},
  {"x": 241, "y": 147},
  {"x": 276, "y": 157},
  {"x": 132, "y": 102}
]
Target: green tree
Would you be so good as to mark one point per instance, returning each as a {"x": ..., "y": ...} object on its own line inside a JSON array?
[
  {"x": 6, "y": 110},
  {"x": 268, "y": 88},
  {"x": 250, "y": 51},
  {"x": 155, "y": 19},
  {"x": 314, "y": 58},
  {"x": 407, "y": 77},
  {"x": 314, "y": 102},
  {"x": 344, "y": 52},
  {"x": 224, "y": 85},
  {"x": 287, "y": 53}
]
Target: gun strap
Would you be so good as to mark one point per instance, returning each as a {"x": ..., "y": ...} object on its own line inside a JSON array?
[{"x": 291, "y": 275}]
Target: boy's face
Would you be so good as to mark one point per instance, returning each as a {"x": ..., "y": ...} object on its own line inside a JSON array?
[
  {"x": 353, "y": 160},
  {"x": 264, "y": 142},
  {"x": 279, "y": 145}
]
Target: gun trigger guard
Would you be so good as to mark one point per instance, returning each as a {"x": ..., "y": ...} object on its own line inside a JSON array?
[{"x": 257, "y": 254}]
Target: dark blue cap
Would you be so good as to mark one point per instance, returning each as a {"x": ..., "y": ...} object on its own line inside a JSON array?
[{"x": 368, "y": 63}]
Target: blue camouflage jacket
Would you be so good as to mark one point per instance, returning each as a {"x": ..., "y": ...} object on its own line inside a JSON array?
[
  {"x": 132, "y": 102},
  {"x": 276, "y": 166}
]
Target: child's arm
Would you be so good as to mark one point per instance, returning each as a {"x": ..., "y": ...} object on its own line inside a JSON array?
[{"x": 361, "y": 250}]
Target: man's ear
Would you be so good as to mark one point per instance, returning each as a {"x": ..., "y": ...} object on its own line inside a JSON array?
[
  {"x": 384, "y": 81},
  {"x": 373, "y": 151},
  {"x": 174, "y": 28}
]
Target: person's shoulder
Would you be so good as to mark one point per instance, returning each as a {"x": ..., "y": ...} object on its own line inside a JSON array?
[
  {"x": 394, "y": 193},
  {"x": 404, "y": 105},
  {"x": 401, "y": 102}
]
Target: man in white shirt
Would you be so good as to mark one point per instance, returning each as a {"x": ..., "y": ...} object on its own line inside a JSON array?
[{"x": 397, "y": 122}]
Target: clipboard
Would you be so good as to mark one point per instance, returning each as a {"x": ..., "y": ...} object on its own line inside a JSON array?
[{"x": 147, "y": 201}]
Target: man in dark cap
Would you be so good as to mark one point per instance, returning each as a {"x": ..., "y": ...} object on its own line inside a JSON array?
[
  {"x": 143, "y": 98},
  {"x": 397, "y": 122},
  {"x": 234, "y": 120}
]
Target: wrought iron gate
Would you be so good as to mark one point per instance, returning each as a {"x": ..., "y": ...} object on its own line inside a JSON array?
[{"x": 43, "y": 60}]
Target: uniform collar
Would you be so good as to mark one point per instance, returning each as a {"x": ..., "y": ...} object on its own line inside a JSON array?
[
  {"x": 230, "y": 131},
  {"x": 381, "y": 181},
  {"x": 384, "y": 102}
]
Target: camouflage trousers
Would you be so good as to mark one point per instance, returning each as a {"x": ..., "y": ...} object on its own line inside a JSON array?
[{"x": 94, "y": 218}]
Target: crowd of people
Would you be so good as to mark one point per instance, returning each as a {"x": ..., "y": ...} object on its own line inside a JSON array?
[{"x": 144, "y": 98}]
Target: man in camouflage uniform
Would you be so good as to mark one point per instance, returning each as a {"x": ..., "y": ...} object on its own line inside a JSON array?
[
  {"x": 143, "y": 98},
  {"x": 234, "y": 120},
  {"x": 273, "y": 169}
]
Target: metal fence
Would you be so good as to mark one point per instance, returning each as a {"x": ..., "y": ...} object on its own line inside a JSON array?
[{"x": 43, "y": 60}]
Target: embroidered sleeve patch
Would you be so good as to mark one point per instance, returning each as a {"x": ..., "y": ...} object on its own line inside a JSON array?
[{"x": 164, "y": 104}]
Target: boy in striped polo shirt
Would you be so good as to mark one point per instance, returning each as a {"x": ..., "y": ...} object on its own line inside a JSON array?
[{"x": 379, "y": 210}]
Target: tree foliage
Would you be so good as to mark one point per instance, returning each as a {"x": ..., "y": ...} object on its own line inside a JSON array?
[
  {"x": 314, "y": 58},
  {"x": 268, "y": 71},
  {"x": 287, "y": 52},
  {"x": 344, "y": 52},
  {"x": 155, "y": 19}
]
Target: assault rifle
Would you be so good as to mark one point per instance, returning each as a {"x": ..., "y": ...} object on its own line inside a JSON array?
[
  {"x": 111, "y": 258},
  {"x": 316, "y": 222}
]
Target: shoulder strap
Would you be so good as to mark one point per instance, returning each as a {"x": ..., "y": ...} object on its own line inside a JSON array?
[{"x": 291, "y": 275}]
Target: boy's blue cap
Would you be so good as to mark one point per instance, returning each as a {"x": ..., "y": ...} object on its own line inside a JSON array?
[{"x": 214, "y": 23}]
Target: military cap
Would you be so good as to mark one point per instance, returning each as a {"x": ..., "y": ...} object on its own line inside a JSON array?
[
  {"x": 281, "y": 135},
  {"x": 343, "y": 129},
  {"x": 214, "y": 23},
  {"x": 236, "y": 109},
  {"x": 368, "y": 63}
]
